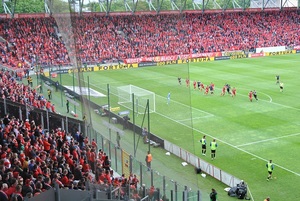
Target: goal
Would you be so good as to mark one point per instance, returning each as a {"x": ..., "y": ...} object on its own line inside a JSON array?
[{"x": 140, "y": 98}]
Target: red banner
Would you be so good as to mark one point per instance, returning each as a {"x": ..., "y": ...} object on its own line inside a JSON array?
[
  {"x": 256, "y": 55},
  {"x": 4, "y": 16},
  {"x": 171, "y": 57},
  {"x": 31, "y": 15},
  {"x": 297, "y": 47}
]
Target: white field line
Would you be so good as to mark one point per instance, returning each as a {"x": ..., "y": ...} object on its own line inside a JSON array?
[
  {"x": 266, "y": 140},
  {"x": 207, "y": 113},
  {"x": 267, "y": 96},
  {"x": 195, "y": 118},
  {"x": 231, "y": 145},
  {"x": 189, "y": 107},
  {"x": 251, "y": 196},
  {"x": 270, "y": 100}
]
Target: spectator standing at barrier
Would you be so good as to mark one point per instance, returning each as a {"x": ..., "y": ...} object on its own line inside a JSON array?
[
  {"x": 149, "y": 160},
  {"x": 213, "y": 195},
  {"x": 106, "y": 163},
  {"x": 68, "y": 106},
  {"x": 270, "y": 168},
  {"x": 118, "y": 140},
  {"x": 213, "y": 147},
  {"x": 48, "y": 106},
  {"x": 53, "y": 108},
  {"x": 203, "y": 143}
]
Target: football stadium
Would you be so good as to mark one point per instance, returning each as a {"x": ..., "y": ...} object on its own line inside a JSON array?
[{"x": 149, "y": 100}]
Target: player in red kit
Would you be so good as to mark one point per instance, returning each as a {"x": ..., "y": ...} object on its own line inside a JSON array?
[
  {"x": 233, "y": 92},
  {"x": 223, "y": 90},
  {"x": 201, "y": 86},
  {"x": 206, "y": 90},
  {"x": 250, "y": 95},
  {"x": 195, "y": 84},
  {"x": 187, "y": 81}
]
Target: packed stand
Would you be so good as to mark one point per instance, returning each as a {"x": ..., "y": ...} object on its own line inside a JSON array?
[
  {"x": 25, "y": 94},
  {"x": 102, "y": 38},
  {"x": 33, "y": 160}
]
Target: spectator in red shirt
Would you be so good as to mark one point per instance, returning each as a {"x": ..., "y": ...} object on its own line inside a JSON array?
[
  {"x": 65, "y": 180},
  {"x": 12, "y": 187}
]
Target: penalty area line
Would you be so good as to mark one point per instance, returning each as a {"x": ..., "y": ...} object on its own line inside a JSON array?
[{"x": 266, "y": 140}]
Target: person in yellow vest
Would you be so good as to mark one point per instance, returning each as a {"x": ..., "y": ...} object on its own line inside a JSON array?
[
  {"x": 213, "y": 148},
  {"x": 270, "y": 168},
  {"x": 49, "y": 94},
  {"x": 149, "y": 160},
  {"x": 29, "y": 80},
  {"x": 203, "y": 142}
]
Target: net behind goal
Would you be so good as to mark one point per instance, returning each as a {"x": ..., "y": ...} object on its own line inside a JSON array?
[{"x": 140, "y": 98}]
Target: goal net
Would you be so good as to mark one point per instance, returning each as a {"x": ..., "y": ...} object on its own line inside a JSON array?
[{"x": 140, "y": 98}]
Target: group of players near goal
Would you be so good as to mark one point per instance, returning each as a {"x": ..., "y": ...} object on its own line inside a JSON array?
[{"x": 225, "y": 89}]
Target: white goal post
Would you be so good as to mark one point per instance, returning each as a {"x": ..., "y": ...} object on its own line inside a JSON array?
[{"x": 140, "y": 98}]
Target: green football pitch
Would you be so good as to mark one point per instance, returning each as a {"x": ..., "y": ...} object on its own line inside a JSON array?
[{"x": 248, "y": 133}]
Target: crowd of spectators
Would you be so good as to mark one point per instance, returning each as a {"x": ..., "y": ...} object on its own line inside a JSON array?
[
  {"x": 100, "y": 38},
  {"x": 15, "y": 91},
  {"x": 32, "y": 160}
]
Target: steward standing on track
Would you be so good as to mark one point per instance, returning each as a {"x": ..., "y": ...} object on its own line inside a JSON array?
[
  {"x": 149, "y": 160},
  {"x": 213, "y": 147}
]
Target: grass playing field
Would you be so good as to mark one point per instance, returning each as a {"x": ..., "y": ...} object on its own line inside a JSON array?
[{"x": 248, "y": 133}]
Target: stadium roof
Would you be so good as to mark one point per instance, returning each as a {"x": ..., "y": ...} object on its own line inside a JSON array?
[{"x": 156, "y": 6}]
